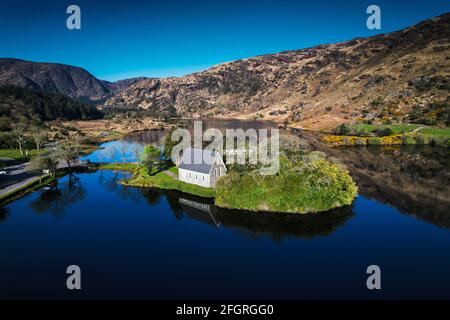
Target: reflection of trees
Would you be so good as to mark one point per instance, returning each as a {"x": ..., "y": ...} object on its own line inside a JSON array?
[
  {"x": 275, "y": 225},
  {"x": 60, "y": 196},
  {"x": 151, "y": 195},
  {"x": 4, "y": 214},
  {"x": 278, "y": 225},
  {"x": 109, "y": 180},
  {"x": 413, "y": 179}
]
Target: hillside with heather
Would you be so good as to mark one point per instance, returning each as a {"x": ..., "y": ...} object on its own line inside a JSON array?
[{"x": 401, "y": 76}]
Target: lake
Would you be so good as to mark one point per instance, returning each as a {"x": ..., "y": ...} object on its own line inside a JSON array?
[{"x": 145, "y": 243}]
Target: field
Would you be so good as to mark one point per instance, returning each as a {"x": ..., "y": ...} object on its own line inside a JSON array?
[
  {"x": 396, "y": 134},
  {"x": 395, "y": 128},
  {"x": 435, "y": 132},
  {"x": 16, "y": 155}
]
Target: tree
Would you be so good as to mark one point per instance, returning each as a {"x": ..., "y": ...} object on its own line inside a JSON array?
[
  {"x": 112, "y": 153},
  {"x": 38, "y": 137},
  {"x": 342, "y": 130},
  {"x": 169, "y": 144},
  {"x": 20, "y": 138},
  {"x": 67, "y": 151},
  {"x": 123, "y": 150},
  {"x": 46, "y": 162},
  {"x": 152, "y": 157},
  {"x": 102, "y": 156},
  {"x": 137, "y": 153}
]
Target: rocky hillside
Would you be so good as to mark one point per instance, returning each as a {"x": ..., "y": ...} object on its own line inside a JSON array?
[
  {"x": 68, "y": 80},
  {"x": 380, "y": 78}
]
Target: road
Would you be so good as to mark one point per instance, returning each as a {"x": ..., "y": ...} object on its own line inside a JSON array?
[
  {"x": 20, "y": 174},
  {"x": 16, "y": 176}
]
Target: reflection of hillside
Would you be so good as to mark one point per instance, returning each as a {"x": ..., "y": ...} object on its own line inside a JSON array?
[
  {"x": 146, "y": 137},
  {"x": 415, "y": 180}
]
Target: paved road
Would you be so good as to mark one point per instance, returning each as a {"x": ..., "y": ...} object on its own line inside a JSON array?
[
  {"x": 16, "y": 176},
  {"x": 21, "y": 174}
]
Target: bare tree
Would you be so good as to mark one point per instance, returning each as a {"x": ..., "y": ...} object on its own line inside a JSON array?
[
  {"x": 112, "y": 153},
  {"x": 47, "y": 162},
  {"x": 68, "y": 151},
  {"x": 137, "y": 153},
  {"x": 102, "y": 156},
  {"x": 38, "y": 137},
  {"x": 123, "y": 150},
  {"x": 20, "y": 138}
]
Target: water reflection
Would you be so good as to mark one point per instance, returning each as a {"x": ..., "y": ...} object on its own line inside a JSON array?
[
  {"x": 61, "y": 195},
  {"x": 153, "y": 137},
  {"x": 110, "y": 181},
  {"x": 415, "y": 180},
  {"x": 4, "y": 214},
  {"x": 274, "y": 225}
]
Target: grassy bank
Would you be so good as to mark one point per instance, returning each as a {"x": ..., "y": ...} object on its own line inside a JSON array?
[
  {"x": 16, "y": 155},
  {"x": 405, "y": 134},
  {"x": 130, "y": 167},
  {"x": 368, "y": 129},
  {"x": 158, "y": 179},
  {"x": 162, "y": 180},
  {"x": 25, "y": 189}
]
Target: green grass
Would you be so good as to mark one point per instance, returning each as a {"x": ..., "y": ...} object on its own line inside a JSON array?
[
  {"x": 435, "y": 132},
  {"x": 163, "y": 181},
  {"x": 131, "y": 167},
  {"x": 174, "y": 170},
  {"x": 321, "y": 186},
  {"x": 16, "y": 155},
  {"x": 396, "y": 128},
  {"x": 410, "y": 134}
]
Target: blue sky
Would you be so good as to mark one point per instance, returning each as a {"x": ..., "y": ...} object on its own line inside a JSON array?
[{"x": 121, "y": 39}]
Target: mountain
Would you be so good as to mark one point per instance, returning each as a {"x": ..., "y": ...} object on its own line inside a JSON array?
[
  {"x": 24, "y": 106},
  {"x": 71, "y": 81},
  {"x": 381, "y": 78}
]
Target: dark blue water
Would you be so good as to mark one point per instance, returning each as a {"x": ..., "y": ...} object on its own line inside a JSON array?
[{"x": 140, "y": 243}]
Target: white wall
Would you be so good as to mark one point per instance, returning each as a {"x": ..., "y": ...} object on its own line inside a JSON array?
[
  {"x": 192, "y": 177},
  {"x": 215, "y": 174}
]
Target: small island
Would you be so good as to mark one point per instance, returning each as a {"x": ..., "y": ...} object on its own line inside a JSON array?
[{"x": 307, "y": 182}]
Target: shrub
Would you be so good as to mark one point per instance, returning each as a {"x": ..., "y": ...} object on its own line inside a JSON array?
[
  {"x": 375, "y": 141},
  {"x": 347, "y": 141},
  {"x": 421, "y": 139},
  {"x": 317, "y": 186},
  {"x": 408, "y": 140},
  {"x": 383, "y": 132},
  {"x": 342, "y": 130},
  {"x": 362, "y": 132}
]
